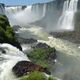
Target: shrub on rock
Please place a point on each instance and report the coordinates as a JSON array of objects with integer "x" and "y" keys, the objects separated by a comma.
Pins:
[{"x": 7, "y": 34}]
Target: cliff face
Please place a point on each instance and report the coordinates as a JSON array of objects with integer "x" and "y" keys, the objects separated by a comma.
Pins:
[
  {"x": 78, "y": 4},
  {"x": 7, "y": 34},
  {"x": 52, "y": 12},
  {"x": 2, "y": 8}
]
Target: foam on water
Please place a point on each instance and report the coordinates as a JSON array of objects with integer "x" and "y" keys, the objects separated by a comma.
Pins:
[
  {"x": 10, "y": 58},
  {"x": 68, "y": 59}
]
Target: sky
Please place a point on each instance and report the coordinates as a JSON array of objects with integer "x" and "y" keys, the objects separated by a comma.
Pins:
[{"x": 22, "y": 2}]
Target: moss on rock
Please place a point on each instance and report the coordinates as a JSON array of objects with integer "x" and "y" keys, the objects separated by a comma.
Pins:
[
  {"x": 43, "y": 54},
  {"x": 7, "y": 34},
  {"x": 36, "y": 76}
]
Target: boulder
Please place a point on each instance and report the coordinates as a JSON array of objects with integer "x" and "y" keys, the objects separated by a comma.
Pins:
[
  {"x": 24, "y": 67},
  {"x": 41, "y": 45},
  {"x": 16, "y": 27},
  {"x": 27, "y": 41},
  {"x": 42, "y": 49}
]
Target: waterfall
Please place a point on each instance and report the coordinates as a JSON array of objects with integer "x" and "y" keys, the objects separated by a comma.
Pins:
[
  {"x": 44, "y": 10},
  {"x": 13, "y": 9},
  {"x": 66, "y": 21},
  {"x": 26, "y": 16},
  {"x": 8, "y": 59}
]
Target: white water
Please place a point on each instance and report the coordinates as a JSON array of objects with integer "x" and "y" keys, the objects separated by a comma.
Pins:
[
  {"x": 67, "y": 67},
  {"x": 32, "y": 32},
  {"x": 68, "y": 59},
  {"x": 66, "y": 21},
  {"x": 68, "y": 63},
  {"x": 8, "y": 60},
  {"x": 23, "y": 17}
]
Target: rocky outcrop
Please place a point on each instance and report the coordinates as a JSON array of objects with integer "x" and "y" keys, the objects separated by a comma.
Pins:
[
  {"x": 41, "y": 45},
  {"x": 16, "y": 27},
  {"x": 51, "y": 51},
  {"x": 72, "y": 36},
  {"x": 27, "y": 41},
  {"x": 43, "y": 54},
  {"x": 2, "y": 8},
  {"x": 7, "y": 34},
  {"x": 24, "y": 67},
  {"x": 78, "y": 4}
]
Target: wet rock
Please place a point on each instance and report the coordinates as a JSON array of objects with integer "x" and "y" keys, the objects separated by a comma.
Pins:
[
  {"x": 72, "y": 36},
  {"x": 41, "y": 45},
  {"x": 27, "y": 41},
  {"x": 24, "y": 67},
  {"x": 43, "y": 51},
  {"x": 7, "y": 34},
  {"x": 2, "y": 50},
  {"x": 16, "y": 27}
]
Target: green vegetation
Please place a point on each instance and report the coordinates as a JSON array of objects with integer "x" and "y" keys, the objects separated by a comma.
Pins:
[
  {"x": 7, "y": 34},
  {"x": 50, "y": 78},
  {"x": 36, "y": 76},
  {"x": 41, "y": 56}
]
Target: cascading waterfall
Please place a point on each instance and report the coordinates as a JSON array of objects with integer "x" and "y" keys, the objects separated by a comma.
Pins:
[
  {"x": 66, "y": 21},
  {"x": 44, "y": 10},
  {"x": 27, "y": 15},
  {"x": 39, "y": 9},
  {"x": 8, "y": 60}
]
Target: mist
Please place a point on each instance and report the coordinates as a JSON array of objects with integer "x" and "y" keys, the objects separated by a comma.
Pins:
[{"x": 23, "y": 17}]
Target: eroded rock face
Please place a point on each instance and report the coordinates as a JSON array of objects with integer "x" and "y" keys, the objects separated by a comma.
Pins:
[
  {"x": 24, "y": 67},
  {"x": 7, "y": 34},
  {"x": 26, "y": 41},
  {"x": 16, "y": 27},
  {"x": 2, "y": 8}
]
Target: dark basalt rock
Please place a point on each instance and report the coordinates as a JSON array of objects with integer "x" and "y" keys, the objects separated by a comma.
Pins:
[
  {"x": 27, "y": 41},
  {"x": 24, "y": 67},
  {"x": 16, "y": 27},
  {"x": 50, "y": 52},
  {"x": 23, "y": 7},
  {"x": 2, "y": 50},
  {"x": 41, "y": 45},
  {"x": 72, "y": 36}
]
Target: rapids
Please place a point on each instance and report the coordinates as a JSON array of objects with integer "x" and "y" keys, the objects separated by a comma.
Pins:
[{"x": 8, "y": 60}]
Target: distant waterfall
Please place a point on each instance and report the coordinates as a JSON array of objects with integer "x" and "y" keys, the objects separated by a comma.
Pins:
[
  {"x": 44, "y": 10},
  {"x": 66, "y": 21},
  {"x": 23, "y": 17},
  {"x": 39, "y": 9}
]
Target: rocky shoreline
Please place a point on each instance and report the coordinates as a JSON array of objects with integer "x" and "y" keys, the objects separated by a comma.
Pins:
[{"x": 72, "y": 36}]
